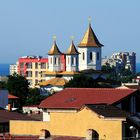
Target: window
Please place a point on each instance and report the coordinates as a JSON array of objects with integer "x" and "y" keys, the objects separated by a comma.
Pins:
[
  {"x": 98, "y": 56},
  {"x": 29, "y": 73},
  {"x": 83, "y": 56},
  {"x": 36, "y": 73},
  {"x": 22, "y": 73},
  {"x": 36, "y": 65},
  {"x": 72, "y": 61},
  {"x": 90, "y": 55},
  {"x": 29, "y": 65},
  {"x": 21, "y": 65},
  {"x": 55, "y": 60},
  {"x": 51, "y": 60},
  {"x": 43, "y": 65},
  {"x": 68, "y": 60}
]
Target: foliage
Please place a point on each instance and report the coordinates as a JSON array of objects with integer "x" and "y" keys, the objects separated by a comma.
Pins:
[
  {"x": 3, "y": 85},
  {"x": 18, "y": 86},
  {"x": 82, "y": 81},
  {"x": 34, "y": 97}
]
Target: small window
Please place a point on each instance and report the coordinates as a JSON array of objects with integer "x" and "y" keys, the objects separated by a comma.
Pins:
[
  {"x": 36, "y": 65},
  {"x": 51, "y": 60},
  {"x": 90, "y": 55},
  {"x": 55, "y": 60},
  {"x": 83, "y": 56},
  {"x": 43, "y": 65},
  {"x": 72, "y": 61},
  {"x": 98, "y": 56},
  {"x": 68, "y": 60},
  {"x": 36, "y": 73}
]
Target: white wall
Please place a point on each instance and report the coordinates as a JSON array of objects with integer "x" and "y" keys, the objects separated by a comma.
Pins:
[{"x": 87, "y": 63}]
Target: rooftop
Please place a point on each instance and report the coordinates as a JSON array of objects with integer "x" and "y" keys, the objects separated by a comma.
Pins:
[
  {"x": 57, "y": 81},
  {"x": 90, "y": 39},
  {"x": 108, "y": 111},
  {"x": 75, "y": 98},
  {"x": 6, "y": 116}
]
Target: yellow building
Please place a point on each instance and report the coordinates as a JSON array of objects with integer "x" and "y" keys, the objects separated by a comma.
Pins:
[{"x": 87, "y": 113}]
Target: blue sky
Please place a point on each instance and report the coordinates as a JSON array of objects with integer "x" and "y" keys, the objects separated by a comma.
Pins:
[{"x": 27, "y": 26}]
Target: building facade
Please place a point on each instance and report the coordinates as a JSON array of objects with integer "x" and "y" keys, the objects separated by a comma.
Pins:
[
  {"x": 33, "y": 68},
  {"x": 121, "y": 60}
]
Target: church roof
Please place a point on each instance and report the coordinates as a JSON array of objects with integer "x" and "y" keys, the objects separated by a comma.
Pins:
[
  {"x": 72, "y": 49},
  {"x": 54, "y": 50},
  {"x": 90, "y": 39},
  {"x": 57, "y": 81}
]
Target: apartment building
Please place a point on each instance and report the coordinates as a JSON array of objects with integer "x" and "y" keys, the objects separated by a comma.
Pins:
[
  {"x": 13, "y": 68},
  {"x": 120, "y": 60},
  {"x": 33, "y": 68}
]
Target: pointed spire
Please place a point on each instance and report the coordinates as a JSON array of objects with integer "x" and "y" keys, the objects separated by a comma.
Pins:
[
  {"x": 90, "y": 39},
  {"x": 72, "y": 49},
  {"x": 54, "y": 50}
]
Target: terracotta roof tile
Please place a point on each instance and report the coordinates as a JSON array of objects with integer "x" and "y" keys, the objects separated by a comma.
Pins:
[
  {"x": 10, "y": 96},
  {"x": 77, "y": 97}
]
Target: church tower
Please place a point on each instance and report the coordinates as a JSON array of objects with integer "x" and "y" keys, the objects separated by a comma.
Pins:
[
  {"x": 90, "y": 51},
  {"x": 54, "y": 57},
  {"x": 72, "y": 58}
]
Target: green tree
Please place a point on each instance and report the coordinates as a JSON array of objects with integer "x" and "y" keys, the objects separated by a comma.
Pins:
[
  {"x": 3, "y": 85},
  {"x": 82, "y": 81},
  {"x": 18, "y": 86},
  {"x": 34, "y": 97}
]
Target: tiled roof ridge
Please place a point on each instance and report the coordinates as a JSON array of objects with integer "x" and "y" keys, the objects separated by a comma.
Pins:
[{"x": 100, "y": 89}]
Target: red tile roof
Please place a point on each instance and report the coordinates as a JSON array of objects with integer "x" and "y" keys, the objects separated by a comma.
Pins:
[
  {"x": 75, "y": 98},
  {"x": 10, "y": 96}
]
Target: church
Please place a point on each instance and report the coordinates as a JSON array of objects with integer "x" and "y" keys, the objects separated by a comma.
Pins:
[{"x": 88, "y": 56}]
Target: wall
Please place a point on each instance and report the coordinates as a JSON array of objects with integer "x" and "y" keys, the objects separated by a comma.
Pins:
[
  {"x": 3, "y": 98},
  {"x": 71, "y": 124}
]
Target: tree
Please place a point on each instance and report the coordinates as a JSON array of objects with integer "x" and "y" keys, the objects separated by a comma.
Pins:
[
  {"x": 34, "y": 97},
  {"x": 18, "y": 86},
  {"x": 3, "y": 85},
  {"x": 82, "y": 81}
]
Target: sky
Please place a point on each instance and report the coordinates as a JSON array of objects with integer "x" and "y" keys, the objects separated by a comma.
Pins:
[{"x": 27, "y": 27}]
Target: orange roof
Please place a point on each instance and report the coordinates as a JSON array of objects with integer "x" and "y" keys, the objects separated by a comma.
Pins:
[
  {"x": 54, "y": 50},
  {"x": 10, "y": 96},
  {"x": 69, "y": 73},
  {"x": 72, "y": 49},
  {"x": 52, "y": 72},
  {"x": 55, "y": 82},
  {"x": 90, "y": 39}
]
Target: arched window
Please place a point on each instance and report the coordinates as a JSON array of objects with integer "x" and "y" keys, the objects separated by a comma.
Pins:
[
  {"x": 83, "y": 56},
  {"x": 55, "y": 60},
  {"x": 92, "y": 134},
  {"x": 90, "y": 55}
]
